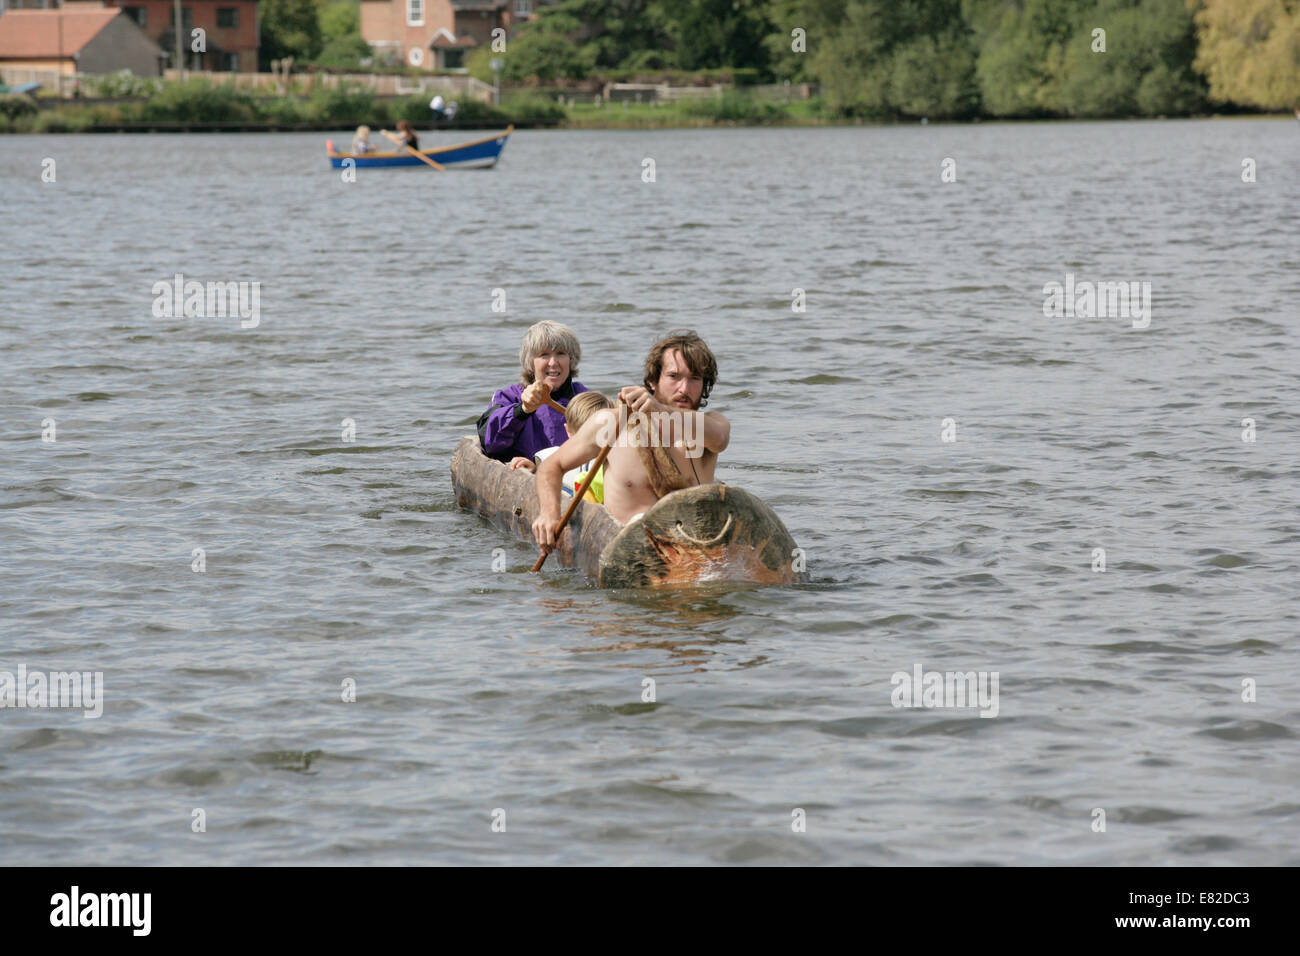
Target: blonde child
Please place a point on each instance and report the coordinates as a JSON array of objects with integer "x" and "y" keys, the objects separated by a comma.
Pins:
[{"x": 580, "y": 408}]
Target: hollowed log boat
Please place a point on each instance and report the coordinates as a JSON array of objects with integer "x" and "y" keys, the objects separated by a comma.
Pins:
[
  {"x": 705, "y": 533},
  {"x": 479, "y": 153}
]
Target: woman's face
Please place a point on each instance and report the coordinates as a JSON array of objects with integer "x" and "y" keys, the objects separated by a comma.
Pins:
[{"x": 552, "y": 367}]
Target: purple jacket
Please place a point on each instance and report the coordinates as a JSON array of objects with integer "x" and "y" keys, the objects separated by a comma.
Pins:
[{"x": 505, "y": 431}]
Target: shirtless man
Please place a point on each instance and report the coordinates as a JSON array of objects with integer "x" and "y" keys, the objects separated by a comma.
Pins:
[{"x": 679, "y": 373}]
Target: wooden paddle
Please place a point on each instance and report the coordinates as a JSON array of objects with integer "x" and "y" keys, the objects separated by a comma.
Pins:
[
  {"x": 546, "y": 389},
  {"x": 414, "y": 152},
  {"x": 579, "y": 492}
]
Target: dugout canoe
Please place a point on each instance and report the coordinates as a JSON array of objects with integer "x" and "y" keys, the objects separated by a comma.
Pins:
[
  {"x": 480, "y": 153},
  {"x": 706, "y": 533}
]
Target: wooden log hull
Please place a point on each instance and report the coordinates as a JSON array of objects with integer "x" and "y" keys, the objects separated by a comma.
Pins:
[{"x": 707, "y": 533}]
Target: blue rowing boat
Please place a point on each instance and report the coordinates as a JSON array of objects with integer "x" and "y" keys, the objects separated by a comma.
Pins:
[{"x": 480, "y": 154}]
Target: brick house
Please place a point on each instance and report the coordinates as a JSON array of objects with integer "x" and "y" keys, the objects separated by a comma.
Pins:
[
  {"x": 231, "y": 27},
  {"x": 76, "y": 41},
  {"x": 437, "y": 34}
]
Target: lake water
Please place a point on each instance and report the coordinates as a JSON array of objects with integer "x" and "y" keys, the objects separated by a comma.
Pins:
[{"x": 325, "y": 561}]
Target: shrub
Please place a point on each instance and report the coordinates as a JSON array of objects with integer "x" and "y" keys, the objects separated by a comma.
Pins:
[
  {"x": 534, "y": 110},
  {"x": 346, "y": 106},
  {"x": 474, "y": 113},
  {"x": 121, "y": 83},
  {"x": 72, "y": 119},
  {"x": 344, "y": 52},
  {"x": 106, "y": 115},
  {"x": 413, "y": 109},
  {"x": 285, "y": 110},
  {"x": 197, "y": 101},
  {"x": 16, "y": 104},
  {"x": 732, "y": 107}
]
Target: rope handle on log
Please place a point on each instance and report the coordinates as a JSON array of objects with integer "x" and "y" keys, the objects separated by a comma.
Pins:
[{"x": 579, "y": 492}]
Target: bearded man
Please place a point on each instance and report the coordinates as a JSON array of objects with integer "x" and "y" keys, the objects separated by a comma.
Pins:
[{"x": 664, "y": 441}]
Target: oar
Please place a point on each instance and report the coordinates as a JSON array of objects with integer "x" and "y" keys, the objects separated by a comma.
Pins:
[
  {"x": 578, "y": 493},
  {"x": 546, "y": 390},
  {"x": 414, "y": 152}
]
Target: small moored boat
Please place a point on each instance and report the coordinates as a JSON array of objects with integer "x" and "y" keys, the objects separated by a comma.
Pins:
[
  {"x": 481, "y": 153},
  {"x": 705, "y": 533}
]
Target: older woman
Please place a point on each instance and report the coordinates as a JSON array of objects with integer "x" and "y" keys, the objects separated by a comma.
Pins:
[{"x": 517, "y": 425}]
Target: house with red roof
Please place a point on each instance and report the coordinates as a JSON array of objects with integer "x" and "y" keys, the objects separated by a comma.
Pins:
[
  {"x": 230, "y": 28},
  {"x": 437, "y": 34},
  {"x": 76, "y": 40}
]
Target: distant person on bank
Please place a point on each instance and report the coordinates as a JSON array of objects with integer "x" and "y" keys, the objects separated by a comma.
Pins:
[{"x": 518, "y": 425}]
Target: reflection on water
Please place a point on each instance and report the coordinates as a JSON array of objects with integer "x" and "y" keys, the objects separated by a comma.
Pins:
[{"x": 683, "y": 623}]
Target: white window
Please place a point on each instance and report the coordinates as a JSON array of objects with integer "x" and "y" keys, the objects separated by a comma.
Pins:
[
  {"x": 523, "y": 7},
  {"x": 415, "y": 13}
]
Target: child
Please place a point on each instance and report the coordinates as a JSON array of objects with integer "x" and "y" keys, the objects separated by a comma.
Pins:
[
  {"x": 361, "y": 142},
  {"x": 579, "y": 410}
]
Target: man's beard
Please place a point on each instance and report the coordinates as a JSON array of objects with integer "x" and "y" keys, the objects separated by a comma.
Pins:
[{"x": 692, "y": 407}]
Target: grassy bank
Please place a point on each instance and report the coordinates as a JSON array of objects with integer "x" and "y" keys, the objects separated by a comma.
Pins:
[{"x": 197, "y": 105}]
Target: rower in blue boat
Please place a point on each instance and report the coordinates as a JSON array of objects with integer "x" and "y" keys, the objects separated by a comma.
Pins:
[
  {"x": 361, "y": 142},
  {"x": 407, "y": 135}
]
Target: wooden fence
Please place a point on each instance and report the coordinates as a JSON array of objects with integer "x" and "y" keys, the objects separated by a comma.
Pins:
[{"x": 450, "y": 85}]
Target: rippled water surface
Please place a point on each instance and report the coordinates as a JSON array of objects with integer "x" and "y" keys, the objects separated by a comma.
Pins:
[{"x": 477, "y": 691}]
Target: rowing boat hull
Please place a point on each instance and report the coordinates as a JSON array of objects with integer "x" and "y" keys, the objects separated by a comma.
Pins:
[
  {"x": 478, "y": 154},
  {"x": 701, "y": 534}
]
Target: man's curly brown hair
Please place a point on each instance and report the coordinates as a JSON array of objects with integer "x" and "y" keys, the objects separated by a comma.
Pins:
[{"x": 699, "y": 359}]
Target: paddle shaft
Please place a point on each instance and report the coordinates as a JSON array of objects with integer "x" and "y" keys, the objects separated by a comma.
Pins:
[
  {"x": 578, "y": 493},
  {"x": 414, "y": 152}
]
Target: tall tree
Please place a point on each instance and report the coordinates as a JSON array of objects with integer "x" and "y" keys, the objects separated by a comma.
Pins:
[
  {"x": 289, "y": 28},
  {"x": 884, "y": 58},
  {"x": 1146, "y": 68},
  {"x": 1021, "y": 61},
  {"x": 710, "y": 34},
  {"x": 1250, "y": 51}
]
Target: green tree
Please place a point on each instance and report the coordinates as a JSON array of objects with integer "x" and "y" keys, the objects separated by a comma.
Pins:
[
  {"x": 1146, "y": 68},
  {"x": 546, "y": 55},
  {"x": 1250, "y": 51},
  {"x": 345, "y": 51},
  {"x": 935, "y": 76},
  {"x": 288, "y": 28},
  {"x": 711, "y": 34},
  {"x": 784, "y": 61},
  {"x": 1021, "y": 61},
  {"x": 575, "y": 37},
  {"x": 339, "y": 19},
  {"x": 882, "y": 58},
  {"x": 340, "y": 30}
]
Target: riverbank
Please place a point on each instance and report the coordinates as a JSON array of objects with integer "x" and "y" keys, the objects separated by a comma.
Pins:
[{"x": 199, "y": 107}]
